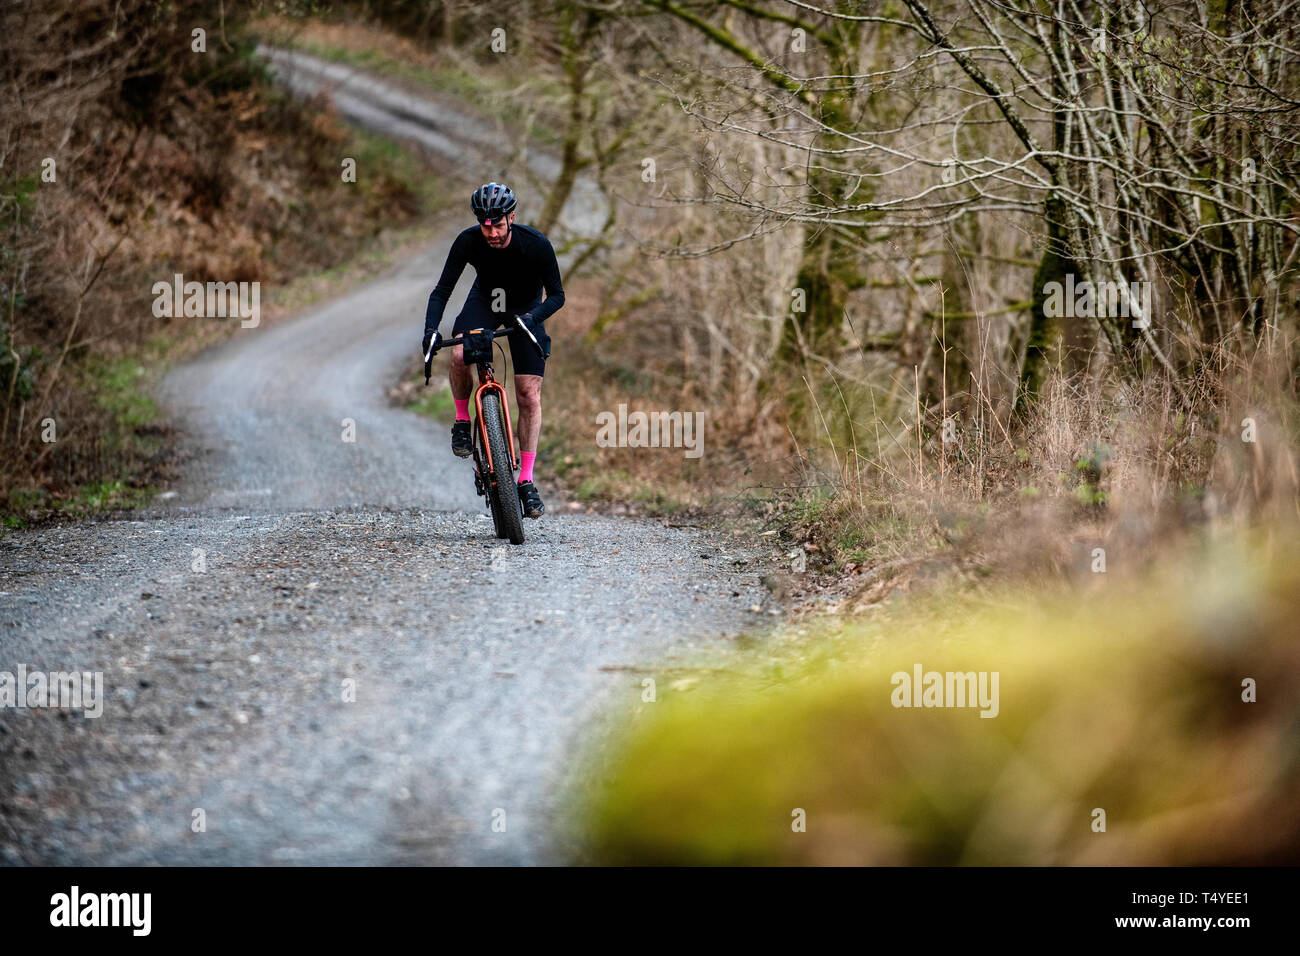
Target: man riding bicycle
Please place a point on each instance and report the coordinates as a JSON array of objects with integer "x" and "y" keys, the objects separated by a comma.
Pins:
[{"x": 512, "y": 265}]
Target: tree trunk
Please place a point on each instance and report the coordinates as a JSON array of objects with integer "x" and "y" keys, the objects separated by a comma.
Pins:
[
  {"x": 577, "y": 63},
  {"x": 1045, "y": 331},
  {"x": 1042, "y": 348}
]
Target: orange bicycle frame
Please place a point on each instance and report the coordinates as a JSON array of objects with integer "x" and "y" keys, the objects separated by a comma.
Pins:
[{"x": 486, "y": 382}]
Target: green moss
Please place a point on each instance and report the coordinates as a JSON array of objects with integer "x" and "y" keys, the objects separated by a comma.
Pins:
[{"x": 1132, "y": 704}]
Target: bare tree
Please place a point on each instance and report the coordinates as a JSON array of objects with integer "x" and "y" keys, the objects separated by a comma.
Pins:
[{"x": 1149, "y": 148}]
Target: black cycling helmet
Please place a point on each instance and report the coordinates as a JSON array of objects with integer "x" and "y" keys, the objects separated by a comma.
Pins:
[{"x": 492, "y": 201}]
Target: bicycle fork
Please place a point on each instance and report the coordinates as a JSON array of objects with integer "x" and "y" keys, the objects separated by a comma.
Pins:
[{"x": 483, "y": 443}]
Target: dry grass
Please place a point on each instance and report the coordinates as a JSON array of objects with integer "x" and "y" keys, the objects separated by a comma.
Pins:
[{"x": 1125, "y": 466}]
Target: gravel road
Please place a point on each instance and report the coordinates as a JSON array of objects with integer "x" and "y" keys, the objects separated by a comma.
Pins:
[{"x": 319, "y": 644}]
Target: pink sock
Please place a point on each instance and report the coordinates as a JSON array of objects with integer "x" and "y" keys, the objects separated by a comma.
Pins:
[
  {"x": 526, "y": 471},
  {"x": 462, "y": 409}
]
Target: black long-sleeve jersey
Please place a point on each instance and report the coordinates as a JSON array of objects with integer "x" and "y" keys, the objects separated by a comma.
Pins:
[{"x": 523, "y": 269}]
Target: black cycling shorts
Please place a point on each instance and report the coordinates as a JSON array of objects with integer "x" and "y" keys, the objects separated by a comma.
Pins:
[{"x": 477, "y": 314}]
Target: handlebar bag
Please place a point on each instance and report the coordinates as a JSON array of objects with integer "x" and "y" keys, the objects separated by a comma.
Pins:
[{"x": 478, "y": 347}]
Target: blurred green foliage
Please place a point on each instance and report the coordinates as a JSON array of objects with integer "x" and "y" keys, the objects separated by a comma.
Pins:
[{"x": 1128, "y": 698}]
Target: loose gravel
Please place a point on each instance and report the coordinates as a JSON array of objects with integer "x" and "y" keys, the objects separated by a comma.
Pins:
[{"x": 313, "y": 650}]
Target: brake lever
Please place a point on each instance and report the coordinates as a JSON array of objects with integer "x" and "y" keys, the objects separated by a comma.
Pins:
[
  {"x": 428, "y": 357},
  {"x": 528, "y": 332}
]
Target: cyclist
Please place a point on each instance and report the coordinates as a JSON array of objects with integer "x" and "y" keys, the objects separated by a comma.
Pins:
[{"x": 512, "y": 265}]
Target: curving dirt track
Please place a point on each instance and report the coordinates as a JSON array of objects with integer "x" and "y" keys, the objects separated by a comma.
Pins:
[{"x": 293, "y": 571}]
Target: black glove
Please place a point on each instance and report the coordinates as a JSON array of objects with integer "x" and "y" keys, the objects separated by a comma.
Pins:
[
  {"x": 530, "y": 323},
  {"x": 424, "y": 342}
]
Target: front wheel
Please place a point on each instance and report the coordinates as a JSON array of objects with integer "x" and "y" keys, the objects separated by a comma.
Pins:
[{"x": 503, "y": 492}]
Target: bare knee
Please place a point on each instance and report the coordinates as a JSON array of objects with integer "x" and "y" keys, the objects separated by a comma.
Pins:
[{"x": 528, "y": 395}]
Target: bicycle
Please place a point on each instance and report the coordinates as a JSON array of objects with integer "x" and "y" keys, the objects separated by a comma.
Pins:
[{"x": 495, "y": 459}]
